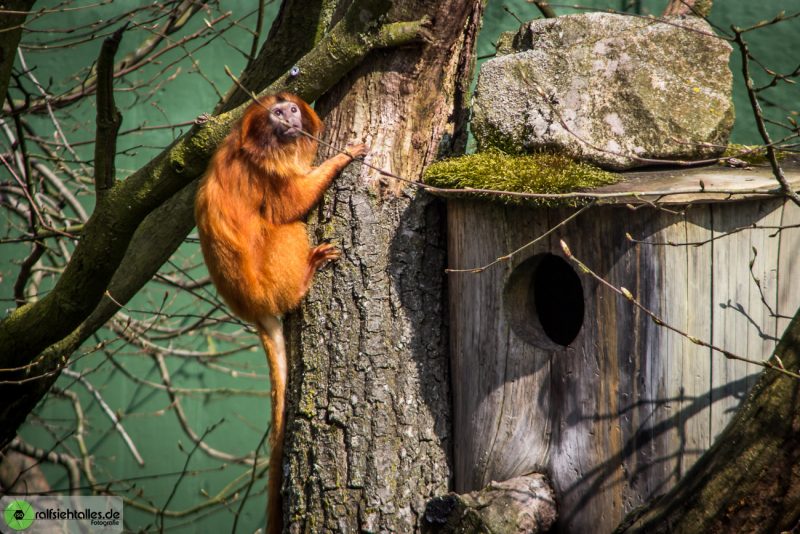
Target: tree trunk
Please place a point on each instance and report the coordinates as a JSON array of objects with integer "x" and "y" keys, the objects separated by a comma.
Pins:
[
  {"x": 369, "y": 434},
  {"x": 749, "y": 480}
]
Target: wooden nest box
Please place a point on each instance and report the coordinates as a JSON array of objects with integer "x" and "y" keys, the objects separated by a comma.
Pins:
[{"x": 554, "y": 372}]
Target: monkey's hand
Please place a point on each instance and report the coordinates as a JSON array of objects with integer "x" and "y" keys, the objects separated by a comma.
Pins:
[{"x": 356, "y": 151}]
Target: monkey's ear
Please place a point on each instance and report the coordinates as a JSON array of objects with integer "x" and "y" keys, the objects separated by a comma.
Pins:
[{"x": 245, "y": 126}]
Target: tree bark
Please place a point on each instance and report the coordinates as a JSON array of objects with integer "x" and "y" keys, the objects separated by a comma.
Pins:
[
  {"x": 749, "y": 480},
  {"x": 369, "y": 434}
]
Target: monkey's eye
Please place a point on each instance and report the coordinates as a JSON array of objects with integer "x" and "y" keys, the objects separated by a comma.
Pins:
[
  {"x": 294, "y": 109},
  {"x": 278, "y": 112}
]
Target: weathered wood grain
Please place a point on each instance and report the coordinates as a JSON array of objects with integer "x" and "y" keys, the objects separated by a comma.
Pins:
[
  {"x": 710, "y": 183},
  {"x": 695, "y": 317},
  {"x": 504, "y": 373},
  {"x": 730, "y": 292},
  {"x": 763, "y": 285},
  {"x": 619, "y": 415},
  {"x": 788, "y": 275}
]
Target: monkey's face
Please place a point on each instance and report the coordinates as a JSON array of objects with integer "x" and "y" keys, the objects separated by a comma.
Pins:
[{"x": 286, "y": 119}]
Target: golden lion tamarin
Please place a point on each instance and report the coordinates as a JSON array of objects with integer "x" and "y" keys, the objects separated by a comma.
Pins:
[{"x": 249, "y": 210}]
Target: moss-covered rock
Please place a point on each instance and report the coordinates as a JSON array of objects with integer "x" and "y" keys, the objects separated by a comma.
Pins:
[
  {"x": 608, "y": 89},
  {"x": 533, "y": 173}
]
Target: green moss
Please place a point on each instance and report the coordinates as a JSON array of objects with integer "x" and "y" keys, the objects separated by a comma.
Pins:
[
  {"x": 752, "y": 154},
  {"x": 306, "y": 404},
  {"x": 532, "y": 173}
]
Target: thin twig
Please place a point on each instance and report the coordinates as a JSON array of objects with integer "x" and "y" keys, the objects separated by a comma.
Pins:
[
  {"x": 108, "y": 411},
  {"x": 47, "y": 103},
  {"x": 69, "y": 463},
  {"x": 523, "y": 247},
  {"x": 184, "y": 422},
  {"x": 256, "y": 33},
  {"x": 757, "y": 282},
  {"x": 253, "y": 471},
  {"x": 778, "y": 229},
  {"x": 777, "y": 170},
  {"x": 80, "y": 432},
  {"x": 185, "y": 469}
]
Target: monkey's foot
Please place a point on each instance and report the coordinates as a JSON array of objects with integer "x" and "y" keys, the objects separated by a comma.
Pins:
[
  {"x": 323, "y": 254},
  {"x": 318, "y": 257}
]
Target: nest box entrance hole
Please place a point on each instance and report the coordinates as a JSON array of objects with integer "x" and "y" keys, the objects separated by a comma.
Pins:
[{"x": 543, "y": 301}]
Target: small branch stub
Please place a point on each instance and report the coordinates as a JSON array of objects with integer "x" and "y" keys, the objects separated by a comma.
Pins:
[
  {"x": 544, "y": 7},
  {"x": 699, "y": 8},
  {"x": 108, "y": 116}
]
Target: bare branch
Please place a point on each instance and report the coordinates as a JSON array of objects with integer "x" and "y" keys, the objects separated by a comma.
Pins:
[
  {"x": 510, "y": 255},
  {"x": 257, "y": 33},
  {"x": 25, "y": 272},
  {"x": 143, "y": 54},
  {"x": 198, "y": 441},
  {"x": 109, "y": 412}
]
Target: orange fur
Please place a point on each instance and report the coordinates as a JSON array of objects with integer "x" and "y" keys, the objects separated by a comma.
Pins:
[{"x": 249, "y": 211}]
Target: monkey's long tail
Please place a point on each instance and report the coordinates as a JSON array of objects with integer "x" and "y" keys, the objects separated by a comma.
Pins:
[{"x": 270, "y": 330}]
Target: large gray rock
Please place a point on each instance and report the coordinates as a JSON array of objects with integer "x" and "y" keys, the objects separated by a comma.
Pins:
[{"x": 610, "y": 89}]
